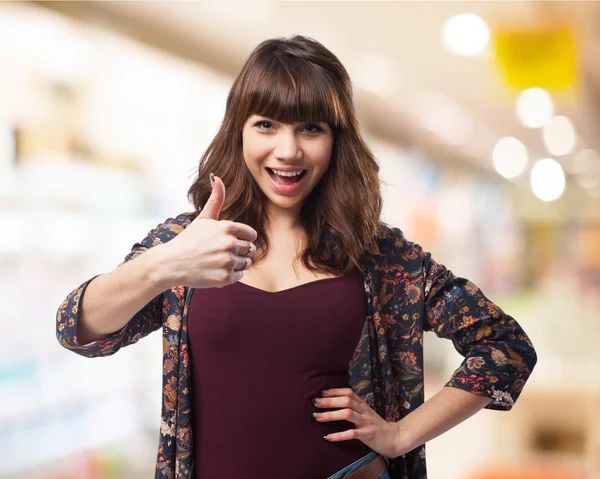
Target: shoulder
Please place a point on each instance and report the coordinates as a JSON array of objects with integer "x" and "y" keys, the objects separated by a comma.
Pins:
[{"x": 392, "y": 242}]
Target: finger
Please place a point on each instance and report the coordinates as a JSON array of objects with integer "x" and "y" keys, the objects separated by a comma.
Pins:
[
  {"x": 340, "y": 415},
  {"x": 244, "y": 232},
  {"x": 241, "y": 248},
  {"x": 241, "y": 263},
  {"x": 245, "y": 249},
  {"x": 213, "y": 205},
  {"x": 338, "y": 402},
  {"x": 343, "y": 436},
  {"x": 237, "y": 275},
  {"x": 338, "y": 392},
  {"x": 346, "y": 392}
]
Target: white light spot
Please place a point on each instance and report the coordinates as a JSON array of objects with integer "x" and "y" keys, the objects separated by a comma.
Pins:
[
  {"x": 535, "y": 107},
  {"x": 559, "y": 135},
  {"x": 547, "y": 179},
  {"x": 509, "y": 157},
  {"x": 465, "y": 34}
]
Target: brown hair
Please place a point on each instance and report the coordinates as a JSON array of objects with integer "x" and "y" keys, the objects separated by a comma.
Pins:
[{"x": 290, "y": 80}]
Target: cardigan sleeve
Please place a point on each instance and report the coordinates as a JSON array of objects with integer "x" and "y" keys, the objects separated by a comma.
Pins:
[
  {"x": 498, "y": 355},
  {"x": 145, "y": 321}
]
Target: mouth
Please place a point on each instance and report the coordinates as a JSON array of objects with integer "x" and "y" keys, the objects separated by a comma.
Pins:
[{"x": 286, "y": 184}]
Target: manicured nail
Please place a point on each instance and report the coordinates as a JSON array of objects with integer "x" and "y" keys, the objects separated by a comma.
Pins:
[
  {"x": 324, "y": 392},
  {"x": 212, "y": 180},
  {"x": 314, "y": 401},
  {"x": 316, "y": 414}
]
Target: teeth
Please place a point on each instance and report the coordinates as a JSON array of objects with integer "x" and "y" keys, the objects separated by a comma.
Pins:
[{"x": 286, "y": 173}]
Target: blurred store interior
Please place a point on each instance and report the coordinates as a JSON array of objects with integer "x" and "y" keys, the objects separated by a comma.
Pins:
[{"x": 484, "y": 117}]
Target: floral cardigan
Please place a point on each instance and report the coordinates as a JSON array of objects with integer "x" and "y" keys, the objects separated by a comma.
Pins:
[{"x": 407, "y": 293}]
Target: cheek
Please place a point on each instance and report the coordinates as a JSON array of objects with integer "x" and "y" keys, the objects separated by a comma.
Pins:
[
  {"x": 321, "y": 153},
  {"x": 322, "y": 159},
  {"x": 254, "y": 152},
  {"x": 249, "y": 155}
]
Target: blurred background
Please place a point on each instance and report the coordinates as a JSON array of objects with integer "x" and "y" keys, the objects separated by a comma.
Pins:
[{"x": 484, "y": 117}]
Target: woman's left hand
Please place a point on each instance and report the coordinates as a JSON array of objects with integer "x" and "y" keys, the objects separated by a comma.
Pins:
[{"x": 383, "y": 437}]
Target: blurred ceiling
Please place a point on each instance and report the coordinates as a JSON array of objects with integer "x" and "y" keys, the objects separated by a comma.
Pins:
[{"x": 408, "y": 34}]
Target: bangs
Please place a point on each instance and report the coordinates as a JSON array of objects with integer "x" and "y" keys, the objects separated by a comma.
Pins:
[{"x": 290, "y": 89}]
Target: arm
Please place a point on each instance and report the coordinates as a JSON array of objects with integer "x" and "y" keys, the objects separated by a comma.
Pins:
[
  {"x": 440, "y": 413},
  {"x": 116, "y": 309},
  {"x": 131, "y": 287},
  {"x": 498, "y": 356}
]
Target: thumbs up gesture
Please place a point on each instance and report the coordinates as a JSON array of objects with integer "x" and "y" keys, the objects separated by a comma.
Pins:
[{"x": 210, "y": 252}]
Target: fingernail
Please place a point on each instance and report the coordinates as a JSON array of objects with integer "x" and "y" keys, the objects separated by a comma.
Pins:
[
  {"x": 212, "y": 180},
  {"x": 314, "y": 401},
  {"x": 324, "y": 392}
]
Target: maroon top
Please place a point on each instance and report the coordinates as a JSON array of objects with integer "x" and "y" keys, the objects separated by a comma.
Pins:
[{"x": 258, "y": 358}]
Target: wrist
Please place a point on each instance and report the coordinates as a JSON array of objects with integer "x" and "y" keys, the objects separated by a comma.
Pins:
[
  {"x": 404, "y": 439},
  {"x": 161, "y": 273}
]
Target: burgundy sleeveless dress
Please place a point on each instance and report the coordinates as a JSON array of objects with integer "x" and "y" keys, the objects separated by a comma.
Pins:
[{"x": 258, "y": 358}]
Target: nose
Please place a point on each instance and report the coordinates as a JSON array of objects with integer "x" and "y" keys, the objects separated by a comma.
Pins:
[{"x": 287, "y": 146}]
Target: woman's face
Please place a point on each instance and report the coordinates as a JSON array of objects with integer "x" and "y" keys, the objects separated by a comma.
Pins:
[{"x": 273, "y": 151}]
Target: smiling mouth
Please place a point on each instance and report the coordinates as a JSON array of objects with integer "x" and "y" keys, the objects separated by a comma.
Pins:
[{"x": 286, "y": 180}]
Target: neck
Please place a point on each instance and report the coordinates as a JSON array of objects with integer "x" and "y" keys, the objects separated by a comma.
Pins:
[{"x": 281, "y": 220}]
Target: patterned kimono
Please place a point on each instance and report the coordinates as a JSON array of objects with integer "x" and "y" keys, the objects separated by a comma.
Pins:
[{"x": 407, "y": 293}]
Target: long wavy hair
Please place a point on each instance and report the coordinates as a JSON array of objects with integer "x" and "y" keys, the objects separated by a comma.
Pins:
[{"x": 297, "y": 79}]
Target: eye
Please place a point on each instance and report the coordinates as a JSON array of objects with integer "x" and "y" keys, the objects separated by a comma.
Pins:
[
  {"x": 267, "y": 125},
  {"x": 263, "y": 122},
  {"x": 316, "y": 127}
]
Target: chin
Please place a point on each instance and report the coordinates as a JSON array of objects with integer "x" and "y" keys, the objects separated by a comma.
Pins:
[{"x": 285, "y": 202}]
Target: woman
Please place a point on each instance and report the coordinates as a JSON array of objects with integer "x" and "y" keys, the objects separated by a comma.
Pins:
[{"x": 332, "y": 299}]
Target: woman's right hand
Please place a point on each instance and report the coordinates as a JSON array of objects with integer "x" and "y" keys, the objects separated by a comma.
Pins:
[{"x": 209, "y": 253}]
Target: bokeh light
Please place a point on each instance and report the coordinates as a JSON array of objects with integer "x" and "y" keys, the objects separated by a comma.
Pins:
[
  {"x": 586, "y": 166},
  {"x": 509, "y": 157},
  {"x": 547, "y": 179},
  {"x": 535, "y": 107},
  {"x": 559, "y": 135},
  {"x": 465, "y": 34}
]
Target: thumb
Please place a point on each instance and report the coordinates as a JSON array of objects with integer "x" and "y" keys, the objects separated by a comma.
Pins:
[{"x": 213, "y": 205}]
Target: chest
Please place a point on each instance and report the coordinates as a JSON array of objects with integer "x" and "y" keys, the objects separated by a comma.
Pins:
[{"x": 280, "y": 270}]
